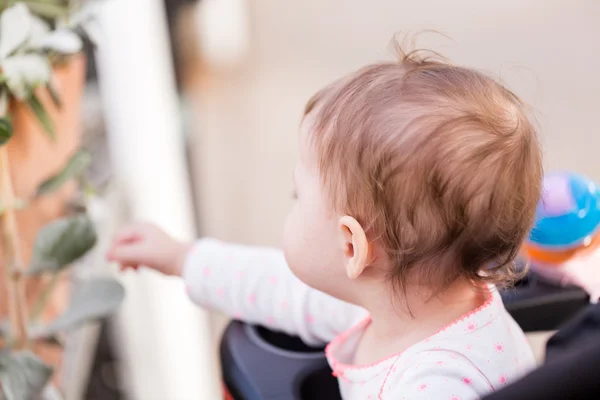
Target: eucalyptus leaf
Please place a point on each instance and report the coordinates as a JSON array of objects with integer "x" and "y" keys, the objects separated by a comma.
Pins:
[
  {"x": 23, "y": 376},
  {"x": 4, "y": 328},
  {"x": 92, "y": 32},
  {"x": 76, "y": 165},
  {"x": 41, "y": 115},
  {"x": 92, "y": 300},
  {"x": 48, "y": 10},
  {"x": 61, "y": 242},
  {"x": 24, "y": 72},
  {"x": 51, "y": 392},
  {"x": 6, "y": 130},
  {"x": 54, "y": 94},
  {"x": 63, "y": 41},
  {"x": 39, "y": 28},
  {"x": 3, "y": 96},
  {"x": 85, "y": 21},
  {"x": 54, "y": 340},
  {"x": 15, "y": 23},
  {"x": 33, "y": 330}
]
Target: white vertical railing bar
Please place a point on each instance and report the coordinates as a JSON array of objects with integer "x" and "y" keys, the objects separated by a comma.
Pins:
[{"x": 164, "y": 341}]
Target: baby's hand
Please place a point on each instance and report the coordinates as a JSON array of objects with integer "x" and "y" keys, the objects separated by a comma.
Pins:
[{"x": 147, "y": 245}]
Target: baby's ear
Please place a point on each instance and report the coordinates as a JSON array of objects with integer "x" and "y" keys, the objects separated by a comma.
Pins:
[{"x": 354, "y": 246}]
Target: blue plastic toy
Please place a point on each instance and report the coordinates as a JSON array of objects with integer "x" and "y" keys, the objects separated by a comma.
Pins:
[{"x": 568, "y": 215}]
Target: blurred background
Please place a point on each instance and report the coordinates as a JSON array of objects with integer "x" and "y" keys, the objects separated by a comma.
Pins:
[{"x": 192, "y": 108}]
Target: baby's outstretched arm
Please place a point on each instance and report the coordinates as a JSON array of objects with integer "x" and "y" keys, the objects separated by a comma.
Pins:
[{"x": 253, "y": 284}]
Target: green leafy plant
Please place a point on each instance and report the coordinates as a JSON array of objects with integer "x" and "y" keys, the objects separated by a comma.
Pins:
[
  {"x": 31, "y": 43},
  {"x": 34, "y": 36}
]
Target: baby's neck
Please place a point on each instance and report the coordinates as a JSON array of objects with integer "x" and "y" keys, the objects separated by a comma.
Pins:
[{"x": 393, "y": 329}]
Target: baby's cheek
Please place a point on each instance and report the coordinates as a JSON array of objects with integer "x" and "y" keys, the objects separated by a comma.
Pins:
[
  {"x": 290, "y": 240},
  {"x": 296, "y": 249}
]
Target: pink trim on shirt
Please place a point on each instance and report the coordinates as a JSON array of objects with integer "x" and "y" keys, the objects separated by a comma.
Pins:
[
  {"x": 488, "y": 302},
  {"x": 339, "y": 368}
]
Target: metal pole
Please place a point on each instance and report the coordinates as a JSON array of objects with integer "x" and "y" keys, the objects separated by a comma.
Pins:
[{"x": 164, "y": 340}]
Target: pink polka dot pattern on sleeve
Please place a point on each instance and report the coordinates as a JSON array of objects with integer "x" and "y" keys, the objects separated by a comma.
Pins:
[{"x": 422, "y": 387}]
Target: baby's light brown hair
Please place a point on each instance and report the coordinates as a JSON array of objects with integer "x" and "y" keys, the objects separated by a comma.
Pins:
[{"x": 439, "y": 163}]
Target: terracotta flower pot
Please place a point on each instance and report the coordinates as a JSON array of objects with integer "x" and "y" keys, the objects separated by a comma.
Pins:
[{"x": 33, "y": 158}]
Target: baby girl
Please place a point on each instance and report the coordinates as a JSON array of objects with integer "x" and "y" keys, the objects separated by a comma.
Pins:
[{"x": 416, "y": 184}]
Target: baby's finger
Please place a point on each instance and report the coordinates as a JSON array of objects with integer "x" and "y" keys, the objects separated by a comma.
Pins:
[
  {"x": 126, "y": 266},
  {"x": 128, "y": 235},
  {"x": 125, "y": 254}
]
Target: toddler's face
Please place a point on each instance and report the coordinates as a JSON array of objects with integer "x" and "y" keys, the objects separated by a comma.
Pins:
[{"x": 312, "y": 236}]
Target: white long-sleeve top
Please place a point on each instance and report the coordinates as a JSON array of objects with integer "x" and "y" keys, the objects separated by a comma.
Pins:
[{"x": 479, "y": 353}]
